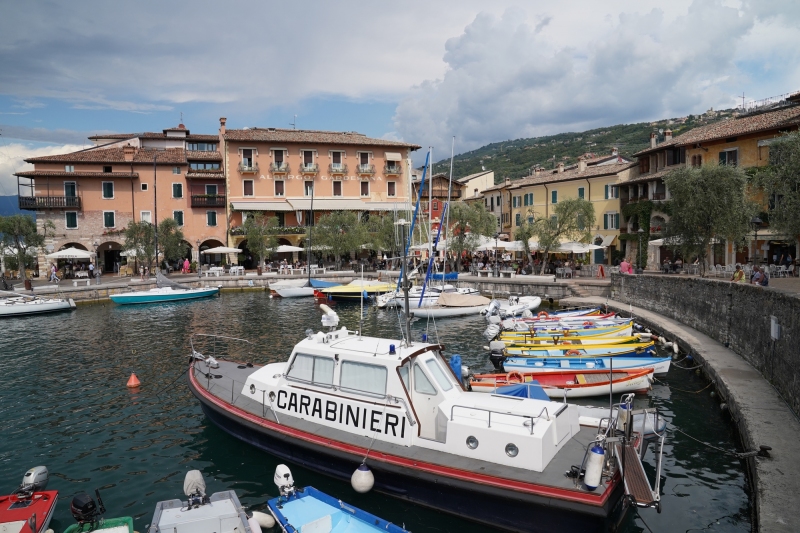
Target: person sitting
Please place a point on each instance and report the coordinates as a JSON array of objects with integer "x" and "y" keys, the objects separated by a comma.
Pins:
[
  {"x": 738, "y": 274},
  {"x": 625, "y": 267},
  {"x": 678, "y": 266},
  {"x": 757, "y": 277}
]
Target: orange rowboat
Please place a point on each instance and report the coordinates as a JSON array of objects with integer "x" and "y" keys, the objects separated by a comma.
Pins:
[{"x": 575, "y": 384}]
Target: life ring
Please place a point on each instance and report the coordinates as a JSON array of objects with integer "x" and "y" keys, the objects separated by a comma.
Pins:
[
  {"x": 572, "y": 352},
  {"x": 543, "y": 314},
  {"x": 587, "y": 323},
  {"x": 514, "y": 377}
]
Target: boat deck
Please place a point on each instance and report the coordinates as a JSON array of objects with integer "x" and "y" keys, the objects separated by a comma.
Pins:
[{"x": 229, "y": 379}]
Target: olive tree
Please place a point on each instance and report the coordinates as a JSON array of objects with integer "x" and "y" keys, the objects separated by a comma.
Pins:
[
  {"x": 468, "y": 223},
  {"x": 261, "y": 234},
  {"x": 19, "y": 233},
  {"x": 340, "y": 233},
  {"x": 780, "y": 183},
  {"x": 140, "y": 242},
  {"x": 525, "y": 233},
  {"x": 707, "y": 203},
  {"x": 570, "y": 220},
  {"x": 171, "y": 240}
]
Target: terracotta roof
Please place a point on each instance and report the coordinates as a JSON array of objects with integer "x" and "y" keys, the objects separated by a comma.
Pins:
[
  {"x": 572, "y": 174},
  {"x": 62, "y": 174},
  {"x": 206, "y": 156},
  {"x": 311, "y": 137},
  {"x": 205, "y": 174},
  {"x": 654, "y": 175},
  {"x": 473, "y": 176},
  {"x": 781, "y": 118},
  {"x": 170, "y": 156},
  {"x": 156, "y": 135},
  {"x": 497, "y": 187}
]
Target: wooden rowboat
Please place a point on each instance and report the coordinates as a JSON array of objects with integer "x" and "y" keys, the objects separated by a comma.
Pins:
[{"x": 575, "y": 384}]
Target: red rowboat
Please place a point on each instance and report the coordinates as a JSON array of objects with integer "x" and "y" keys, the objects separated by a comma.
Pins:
[{"x": 575, "y": 384}]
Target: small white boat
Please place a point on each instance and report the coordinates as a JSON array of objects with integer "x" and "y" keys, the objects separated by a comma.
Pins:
[
  {"x": 430, "y": 297},
  {"x": 298, "y": 288},
  {"x": 451, "y": 305},
  {"x": 515, "y": 306},
  {"x": 21, "y": 305},
  {"x": 569, "y": 384}
]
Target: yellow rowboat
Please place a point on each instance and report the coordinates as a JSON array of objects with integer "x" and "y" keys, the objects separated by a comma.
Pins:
[
  {"x": 355, "y": 289},
  {"x": 624, "y": 330},
  {"x": 572, "y": 341},
  {"x": 638, "y": 348}
]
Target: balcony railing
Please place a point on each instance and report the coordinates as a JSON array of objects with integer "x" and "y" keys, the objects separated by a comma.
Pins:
[
  {"x": 309, "y": 168},
  {"x": 279, "y": 168},
  {"x": 659, "y": 196},
  {"x": 246, "y": 168},
  {"x": 208, "y": 200},
  {"x": 49, "y": 202},
  {"x": 366, "y": 169},
  {"x": 392, "y": 170},
  {"x": 623, "y": 230},
  {"x": 337, "y": 169}
]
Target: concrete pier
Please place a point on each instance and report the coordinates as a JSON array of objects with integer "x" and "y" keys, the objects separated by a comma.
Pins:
[{"x": 761, "y": 416}]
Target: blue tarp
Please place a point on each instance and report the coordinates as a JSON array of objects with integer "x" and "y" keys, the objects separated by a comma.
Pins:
[
  {"x": 531, "y": 389},
  {"x": 319, "y": 284},
  {"x": 450, "y": 276}
]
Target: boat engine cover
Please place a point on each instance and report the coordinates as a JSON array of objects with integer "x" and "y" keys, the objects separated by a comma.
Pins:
[
  {"x": 491, "y": 331},
  {"x": 193, "y": 483},
  {"x": 283, "y": 478},
  {"x": 83, "y": 507},
  {"x": 36, "y": 476}
]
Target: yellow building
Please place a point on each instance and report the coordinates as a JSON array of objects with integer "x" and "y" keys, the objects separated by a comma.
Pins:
[{"x": 596, "y": 180}]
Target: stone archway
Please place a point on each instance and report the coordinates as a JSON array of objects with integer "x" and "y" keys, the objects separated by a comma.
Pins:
[
  {"x": 207, "y": 259},
  {"x": 108, "y": 256}
]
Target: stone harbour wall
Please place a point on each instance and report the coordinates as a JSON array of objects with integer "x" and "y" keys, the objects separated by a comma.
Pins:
[{"x": 735, "y": 314}]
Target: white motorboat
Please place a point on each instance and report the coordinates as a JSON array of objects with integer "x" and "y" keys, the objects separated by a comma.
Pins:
[
  {"x": 430, "y": 297},
  {"x": 451, "y": 305},
  {"x": 21, "y": 305},
  {"x": 515, "y": 306}
]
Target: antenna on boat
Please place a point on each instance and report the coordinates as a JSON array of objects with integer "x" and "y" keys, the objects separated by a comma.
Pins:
[
  {"x": 404, "y": 275},
  {"x": 361, "y": 317}
]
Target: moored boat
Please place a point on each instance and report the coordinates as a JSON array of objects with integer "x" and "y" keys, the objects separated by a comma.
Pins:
[
  {"x": 166, "y": 291},
  {"x": 452, "y": 305},
  {"x": 355, "y": 290},
  {"x": 570, "y": 384},
  {"x": 571, "y": 350},
  {"x": 30, "y": 507},
  {"x": 21, "y": 305},
  {"x": 297, "y": 288},
  {"x": 660, "y": 365}
]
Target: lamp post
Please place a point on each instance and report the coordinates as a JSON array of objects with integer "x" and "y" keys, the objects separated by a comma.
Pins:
[
  {"x": 96, "y": 262},
  {"x": 639, "y": 260},
  {"x": 198, "y": 257},
  {"x": 496, "y": 235},
  {"x": 756, "y": 222}
]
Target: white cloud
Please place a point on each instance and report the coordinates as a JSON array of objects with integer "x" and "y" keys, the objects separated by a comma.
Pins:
[{"x": 12, "y": 158}]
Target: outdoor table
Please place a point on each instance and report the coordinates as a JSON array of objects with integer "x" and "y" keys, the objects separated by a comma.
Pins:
[
  {"x": 81, "y": 274},
  {"x": 237, "y": 271}
]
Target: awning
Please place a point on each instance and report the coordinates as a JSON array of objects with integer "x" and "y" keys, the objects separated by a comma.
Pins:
[
  {"x": 393, "y": 156},
  {"x": 608, "y": 240},
  {"x": 262, "y": 206},
  {"x": 387, "y": 206},
  {"x": 328, "y": 204}
]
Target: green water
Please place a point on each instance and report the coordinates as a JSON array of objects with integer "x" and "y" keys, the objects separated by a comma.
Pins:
[{"x": 65, "y": 405}]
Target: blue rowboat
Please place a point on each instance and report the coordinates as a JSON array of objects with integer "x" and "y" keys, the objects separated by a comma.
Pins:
[
  {"x": 163, "y": 294},
  {"x": 559, "y": 364},
  {"x": 618, "y": 350}
]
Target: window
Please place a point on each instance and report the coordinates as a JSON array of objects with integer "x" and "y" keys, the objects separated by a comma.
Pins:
[
  {"x": 614, "y": 191},
  {"x": 421, "y": 382},
  {"x": 438, "y": 374},
  {"x": 644, "y": 165},
  {"x": 517, "y": 219},
  {"x": 391, "y": 188},
  {"x": 530, "y": 220},
  {"x": 177, "y": 190},
  {"x": 107, "y": 168},
  {"x": 530, "y": 198},
  {"x": 70, "y": 189},
  {"x": 363, "y": 378},
  {"x": 435, "y": 204},
  {"x": 108, "y": 190},
  {"x": 581, "y": 193},
  {"x": 697, "y": 160},
  {"x": 211, "y": 190},
  {"x": 308, "y": 158},
  {"x": 513, "y": 201},
  {"x": 247, "y": 157},
  {"x": 611, "y": 221},
  {"x": 676, "y": 156},
  {"x": 177, "y": 216},
  {"x": 202, "y": 147},
  {"x": 248, "y": 188},
  {"x": 109, "y": 219},
  {"x": 278, "y": 158},
  {"x": 364, "y": 188},
  {"x": 363, "y": 158},
  {"x": 308, "y": 187},
  {"x": 337, "y": 188},
  {"x": 144, "y": 186},
  {"x": 69, "y": 168},
  {"x": 336, "y": 160},
  {"x": 211, "y": 218},
  {"x": 176, "y": 170},
  {"x": 728, "y": 157},
  {"x": 145, "y": 217},
  {"x": 312, "y": 369},
  {"x": 279, "y": 188},
  {"x": 554, "y": 197},
  {"x": 606, "y": 196},
  {"x": 492, "y": 203},
  {"x": 204, "y": 166},
  {"x": 71, "y": 219}
]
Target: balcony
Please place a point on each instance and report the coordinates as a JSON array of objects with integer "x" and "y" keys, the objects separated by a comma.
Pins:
[
  {"x": 208, "y": 200},
  {"x": 279, "y": 168},
  {"x": 393, "y": 170},
  {"x": 309, "y": 168},
  {"x": 337, "y": 169},
  {"x": 623, "y": 230},
  {"x": 659, "y": 196},
  {"x": 366, "y": 169},
  {"x": 248, "y": 167},
  {"x": 49, "y": 202}
]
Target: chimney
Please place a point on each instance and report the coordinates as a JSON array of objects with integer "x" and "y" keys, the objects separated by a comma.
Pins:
[
  {"x": 508, "y": 181},
  {"x": 653, "y": 139},
  {"x": 128, "y": 151},
  {"x": 561, "y": 167},
  {"x": 668, "y": 135},
  {"x": 581, "y": 165},
  {"x": 222, "y": 121},
  {"x": 615, "y": 151}
]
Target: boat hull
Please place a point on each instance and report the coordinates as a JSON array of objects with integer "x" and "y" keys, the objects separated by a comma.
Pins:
[
  {"x": 660, "y": 365},
  {"x": 496, "y": 505},
  {"x": 43, "y": 505},
  {"x": 156, "y": 296},
  {"x": 294, "y": 292},
  {"x": 35, "y": 307},
  {"x": 446, "y": 312},
  {"x": 563, "y": 387}
]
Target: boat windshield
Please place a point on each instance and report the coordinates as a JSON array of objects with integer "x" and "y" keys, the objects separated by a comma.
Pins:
[
  {"x": 362, "y": 378},
  {"x": 312, "y": 369},
  {"x": 421, "y": 382},
  {"x": 403, "y": 370},
  {"x": 438, "y": 374}
]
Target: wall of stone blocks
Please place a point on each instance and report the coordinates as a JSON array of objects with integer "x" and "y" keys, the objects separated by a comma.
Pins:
[{"x": 735, "y": 314}]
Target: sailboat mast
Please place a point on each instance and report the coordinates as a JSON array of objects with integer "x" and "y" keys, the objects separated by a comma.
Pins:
[
  {"x": 447, "y": 208},
  {"x": 155, "y": 209},
  {"x": 310, "y": 225},
  {"x": 430, "y": 204}
]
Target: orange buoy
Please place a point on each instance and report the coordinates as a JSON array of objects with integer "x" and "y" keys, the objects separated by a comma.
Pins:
[{"x": 133, "y": 381}]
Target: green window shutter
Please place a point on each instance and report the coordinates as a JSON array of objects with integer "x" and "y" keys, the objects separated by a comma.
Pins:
[
  {"x": 108, "y": 219},
  {"x": 722, "y": 159},
  {"x": 513, "y": 201},
  {"x": 606, "y": 192},
  {"x": 517, "y": 219},
  {"x": 72, "y": 219},
  {"x": 616, "y": 221},
  {"x": 581, "y": 193},
  {"x": 554, "y": 197},
  {"x": 605, "y": 221}
]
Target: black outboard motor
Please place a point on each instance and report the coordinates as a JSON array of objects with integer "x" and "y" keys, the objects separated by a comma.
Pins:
[
  {"x": 85, "y": 511},
  {"x": 498, "y": 354}
]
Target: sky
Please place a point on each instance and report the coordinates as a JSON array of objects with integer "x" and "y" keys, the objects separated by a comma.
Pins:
[{"x": 418, "y": 71}]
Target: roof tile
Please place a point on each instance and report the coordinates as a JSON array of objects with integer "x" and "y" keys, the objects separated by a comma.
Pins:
[
  {"x": 174, "y": 156},
  {"x": 311, "y": 137}
]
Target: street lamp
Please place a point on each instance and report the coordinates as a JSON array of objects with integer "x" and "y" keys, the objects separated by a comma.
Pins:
[
  {"x": 756, "y": 222},
  {"x": 496, "y": 274},
  {"x": 639, "y": 261},
  {"x": 198, "y": 257}
]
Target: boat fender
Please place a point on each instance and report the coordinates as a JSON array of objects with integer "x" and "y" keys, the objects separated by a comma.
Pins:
[
  {"x": 667, "y": 345},
  {"x": 265, "y": 520},
  {"x": 675, "y": 347},
  {"x": 527, "y": 313},
  {"x": 255, "y": 527},
  {"x": 622, "y": 415},
  {"x": 594, "y": 467},
  {"x": 362, "y": 479},
  {"x": 455, "y": 366}
]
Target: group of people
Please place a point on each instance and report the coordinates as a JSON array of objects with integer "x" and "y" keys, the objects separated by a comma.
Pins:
[
  {"x": 760, "y": 275},
  {"x": 69, "y": 270}
]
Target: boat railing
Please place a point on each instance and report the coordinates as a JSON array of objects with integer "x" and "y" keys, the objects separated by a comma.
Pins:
[
  {"x": 529, "y": 420},
  {"x": 218, "y": 343}
]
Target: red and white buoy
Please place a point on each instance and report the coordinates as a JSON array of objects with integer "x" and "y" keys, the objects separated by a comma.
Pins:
[{"x": 133, "y": 381}]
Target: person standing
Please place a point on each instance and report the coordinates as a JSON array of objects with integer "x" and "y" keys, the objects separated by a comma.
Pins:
[
  {"x": 91, "y": 270},
  {"x": 53, "y": 276}
]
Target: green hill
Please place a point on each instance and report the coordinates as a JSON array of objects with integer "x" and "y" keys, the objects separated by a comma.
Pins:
[{"x": 515, "y": 158}]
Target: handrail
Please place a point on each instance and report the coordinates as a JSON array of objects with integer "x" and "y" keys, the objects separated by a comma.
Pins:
[{"x": 527, "y": 417}]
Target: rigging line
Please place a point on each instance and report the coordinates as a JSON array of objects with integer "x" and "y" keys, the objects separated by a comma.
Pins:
[
  {"x": 682, "y": 390},
  {"x": 375, "y": 432}
]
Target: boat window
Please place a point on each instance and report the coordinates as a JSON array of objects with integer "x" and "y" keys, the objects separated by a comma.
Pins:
[
  {"x": 421, "y": 382},
  {"x": 363, "y": 379},
  {"x": 312, "y": 369},
  {"x": 403, "y": 370},
  {"x": 438, "y": 374}
]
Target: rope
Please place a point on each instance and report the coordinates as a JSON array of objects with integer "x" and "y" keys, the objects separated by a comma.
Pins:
[
  {"x": 682, "y": 390},
  {"x": 375, "y": 433},
  {"x": 687, "y": 367}
]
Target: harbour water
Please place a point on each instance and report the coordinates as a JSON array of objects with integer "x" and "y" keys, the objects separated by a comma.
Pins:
[{"x": 65, "y": 405}]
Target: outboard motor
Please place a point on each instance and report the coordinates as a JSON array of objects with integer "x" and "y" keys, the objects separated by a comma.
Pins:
[
  {"x": 34, "y": 479},
  {"x": 85, "y": 511},
  {"x": 284, "y": 481},
  {"x": 493, "y": 329},
  {"x": 498, "y": 354},
  {"x": 194, "y": 487},
  {"x": 492, "y": 308}
]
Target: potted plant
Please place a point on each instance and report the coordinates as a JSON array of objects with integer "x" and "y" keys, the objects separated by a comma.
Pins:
[{"x": 193, "y": 266}]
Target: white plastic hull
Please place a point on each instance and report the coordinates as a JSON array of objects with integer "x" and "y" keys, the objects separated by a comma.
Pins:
[
  {"x": 294, "y": 292},
  {"x": 446, "y": 312},
  {"x": 33, "y": 307}
]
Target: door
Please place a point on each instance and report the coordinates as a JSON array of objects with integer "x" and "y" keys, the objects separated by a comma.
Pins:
[{"x": 426, "y": 397}]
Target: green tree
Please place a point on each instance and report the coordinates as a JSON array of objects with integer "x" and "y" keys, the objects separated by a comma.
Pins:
[
  {"x": 260, "y": 232},
  {"x": 140, "y": 242},
  {"x": 341, "y": 232},
  {"x": 525, "y": 233},
  {"x": 384, "y": 236},
  {"x": 780, "y": 183},
  {"x": 468, "y": 223},
  {"x": 707, "y": 203},
  {"x": 570, "y": 220},
  {"x": 19, "y": 233},
  {"x": 171, "y": 240}
]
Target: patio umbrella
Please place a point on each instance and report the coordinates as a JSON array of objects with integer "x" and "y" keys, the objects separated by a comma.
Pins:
[
  {"x": 222, "y": 250},
  {"x": 71, "y": 253},
  {"x": 135, "y": 253},
  {"x": 577, "y": 247},
  {"x": 286, "y": 248}
]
